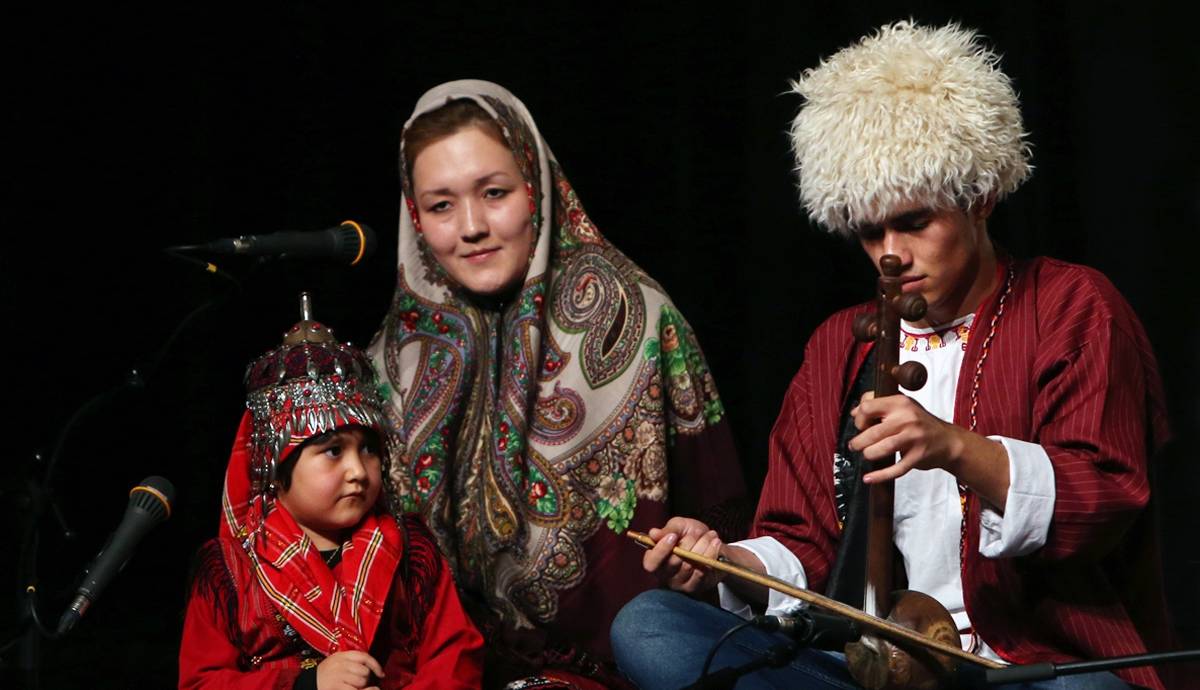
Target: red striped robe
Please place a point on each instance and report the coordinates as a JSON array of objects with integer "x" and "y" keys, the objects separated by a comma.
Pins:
[{"x": 1069, "y": 368}]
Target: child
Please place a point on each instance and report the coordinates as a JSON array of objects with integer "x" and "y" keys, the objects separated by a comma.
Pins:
[{"x": 311, "y": 583}]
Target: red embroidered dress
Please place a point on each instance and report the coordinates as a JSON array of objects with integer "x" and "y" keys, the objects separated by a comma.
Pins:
[
  {"x": 400, "y": 605},
  {"x": 265, "y": 605}
]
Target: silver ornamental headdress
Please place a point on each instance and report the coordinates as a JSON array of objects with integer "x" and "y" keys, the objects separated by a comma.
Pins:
[{"x": 309, "y": 385}]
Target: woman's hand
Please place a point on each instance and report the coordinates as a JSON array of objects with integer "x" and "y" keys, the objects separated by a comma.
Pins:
[
  {"x": 348, "y": 671},
  {"x": 673, "y": 571}
]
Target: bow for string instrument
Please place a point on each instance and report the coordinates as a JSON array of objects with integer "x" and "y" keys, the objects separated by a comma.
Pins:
[
  {"x": 886, "y": 628},
  {"x": 875, "y": 662}
]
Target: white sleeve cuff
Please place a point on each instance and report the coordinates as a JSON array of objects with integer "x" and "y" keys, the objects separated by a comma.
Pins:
[
  {"x": 779, "y": 562},
  {"x": 1029, "y": 507}
]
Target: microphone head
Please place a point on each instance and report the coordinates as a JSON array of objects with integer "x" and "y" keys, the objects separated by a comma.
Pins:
[
  {"x": 348, "y": 243},
  {"x": 154, "y": 495},
  {"x": 355, "y": 242}
]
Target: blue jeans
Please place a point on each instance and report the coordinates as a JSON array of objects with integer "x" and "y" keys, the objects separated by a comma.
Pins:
[{"x": 660, "y": 640}]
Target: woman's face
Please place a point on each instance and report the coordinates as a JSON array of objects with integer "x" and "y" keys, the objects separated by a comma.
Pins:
[{"x": 474, "y": 210}]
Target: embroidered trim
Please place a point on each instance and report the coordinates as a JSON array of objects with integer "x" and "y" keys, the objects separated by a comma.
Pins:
[
  {"x": 843, "y": 477},
  {"x": 953, "y": 334}
]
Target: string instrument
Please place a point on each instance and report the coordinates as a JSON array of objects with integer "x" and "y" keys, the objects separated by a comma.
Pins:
[
  {"x": 885, "y": 628},
  {"x": 877, "y": 663},
  {"x": 910, "y": 641}
]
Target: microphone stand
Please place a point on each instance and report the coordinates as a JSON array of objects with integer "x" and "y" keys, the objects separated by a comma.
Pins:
[
  {"x": 777, "y": 656},
  {"x": 37, "y": 496},
  {"x": 1029, "y": 673},
  {"x": 811, "y": 629}
]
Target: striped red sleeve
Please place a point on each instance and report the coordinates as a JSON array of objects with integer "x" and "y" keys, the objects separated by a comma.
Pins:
[
  {"x": 1091, "y": 415},
  {"x": 797, "y": 502}
]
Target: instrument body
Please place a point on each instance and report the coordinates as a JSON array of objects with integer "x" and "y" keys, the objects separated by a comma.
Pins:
[{"x": 879, "y": 663}]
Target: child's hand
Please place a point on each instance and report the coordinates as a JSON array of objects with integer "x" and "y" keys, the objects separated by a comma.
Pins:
[{"x": 347, "y": 671}]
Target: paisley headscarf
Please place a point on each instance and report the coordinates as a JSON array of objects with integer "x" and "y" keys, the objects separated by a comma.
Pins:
[
  {"x": 522, "y": 430},
  {"x": 308, "y": 386}
]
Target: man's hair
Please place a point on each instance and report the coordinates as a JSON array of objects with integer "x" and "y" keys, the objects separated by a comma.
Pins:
[
  {"x": 909, "y": 114},
  {"x": 283, "y": 471}
]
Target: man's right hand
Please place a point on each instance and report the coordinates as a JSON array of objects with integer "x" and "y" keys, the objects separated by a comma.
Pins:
[{"x": 673, "y": 571}]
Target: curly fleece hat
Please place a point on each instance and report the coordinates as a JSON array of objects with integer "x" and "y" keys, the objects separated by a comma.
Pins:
[{"x": 909, "y": 114}]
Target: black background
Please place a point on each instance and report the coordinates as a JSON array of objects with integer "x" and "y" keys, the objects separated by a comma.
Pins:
[{"x": 131, "y": 129}]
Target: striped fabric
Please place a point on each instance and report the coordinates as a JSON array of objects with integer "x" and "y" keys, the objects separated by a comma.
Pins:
[
  {"x": 1070, "y": 368},
  {"x": 334, "y": 609}
]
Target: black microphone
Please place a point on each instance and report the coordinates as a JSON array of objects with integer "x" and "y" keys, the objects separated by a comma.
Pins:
[
  {"x": 149, "y": 504},
  {"x": 348, "y": 243},
  {"x": 812, "y": 628}
]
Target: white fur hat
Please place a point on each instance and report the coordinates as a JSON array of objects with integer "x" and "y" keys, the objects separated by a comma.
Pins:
[{"x": 908, "y": 114}]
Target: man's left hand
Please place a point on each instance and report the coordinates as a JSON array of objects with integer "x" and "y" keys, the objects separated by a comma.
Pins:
[{"x": 898, "y": 424}]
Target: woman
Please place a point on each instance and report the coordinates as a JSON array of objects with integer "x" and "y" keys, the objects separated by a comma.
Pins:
[{"x": 541, "y": 390}]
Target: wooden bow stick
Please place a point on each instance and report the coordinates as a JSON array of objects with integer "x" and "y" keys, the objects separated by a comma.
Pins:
[{"x": 879, "y": 625}]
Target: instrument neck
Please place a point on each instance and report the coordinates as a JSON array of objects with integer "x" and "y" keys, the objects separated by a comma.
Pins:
[{"x": 881, "y": 497}]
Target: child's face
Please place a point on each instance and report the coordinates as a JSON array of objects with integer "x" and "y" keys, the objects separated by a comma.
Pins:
[{"x": 335, "y": 483}]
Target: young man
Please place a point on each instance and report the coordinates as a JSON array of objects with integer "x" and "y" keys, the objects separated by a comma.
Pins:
[{"x": 1021, "y": 479}]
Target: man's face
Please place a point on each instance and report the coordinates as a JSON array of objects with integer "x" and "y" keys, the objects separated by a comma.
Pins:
[{"x": 945, "y": 255}]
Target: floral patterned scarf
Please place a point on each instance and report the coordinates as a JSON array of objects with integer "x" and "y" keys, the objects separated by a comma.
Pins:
[{"x": 520, "y": 431}]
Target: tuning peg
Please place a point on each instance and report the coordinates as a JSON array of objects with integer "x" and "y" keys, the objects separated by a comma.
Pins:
[
  {"x": 865, "y": 327},
  {"x": 910, "y": 375},
  {"x": 911, "y": 306},
  {"x": 889, "y": 265}
]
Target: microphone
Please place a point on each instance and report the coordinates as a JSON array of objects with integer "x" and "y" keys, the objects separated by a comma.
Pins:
[
  {"x": 149, "y": 504},
  {"x": 812, "y": 628},
  {"x": 347, "y": 243}
]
